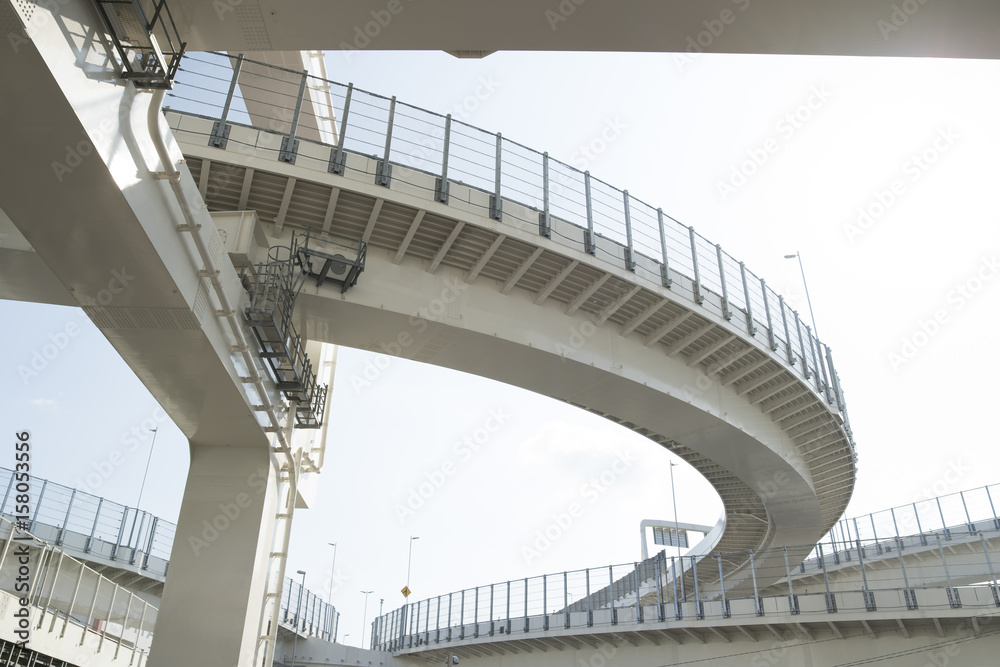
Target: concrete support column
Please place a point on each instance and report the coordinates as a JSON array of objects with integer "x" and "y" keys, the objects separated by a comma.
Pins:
[{"x": 211, "y": 606}]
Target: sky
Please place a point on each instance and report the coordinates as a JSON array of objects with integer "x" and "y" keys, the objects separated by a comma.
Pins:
[{"x": 881, "y": 172}]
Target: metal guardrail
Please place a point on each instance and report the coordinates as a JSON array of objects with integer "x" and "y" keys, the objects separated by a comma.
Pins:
[
  {"x": 649, "y": 592},
  {"x": 92, "y": 524},
  {"x": 70, "y": 597},
  {"x": 407, "y": 139},
  {"x": 973, "y": 510},
  {"x": 536, "y": 603},
  {"x": 85, "y": 522}
]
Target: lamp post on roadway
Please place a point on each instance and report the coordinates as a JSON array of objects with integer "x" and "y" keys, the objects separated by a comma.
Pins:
[
  {"x": 333, "y": 571},
  {"x": 409, "y": 560},
  {"x": 677, "y": 530},
  {"x": 364, "y": 619},
  {"x": 142, "y": 487},
  {"x": 812, "y": 316},
  {"x": 298, "y": 608}
]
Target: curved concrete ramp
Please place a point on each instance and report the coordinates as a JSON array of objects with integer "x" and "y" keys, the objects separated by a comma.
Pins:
[{"x": 449, "y": 285}]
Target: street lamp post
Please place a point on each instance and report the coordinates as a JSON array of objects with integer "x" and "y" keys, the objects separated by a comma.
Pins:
[
  {"x": 142, "y": 486},
  {"x": 298, "y": 608},
  {"x": 364, "y": 619},
  {"x": 333, "y": 571},
  {"x": 409, "y": 560},
  {"x": 812, "y": 316},
  {"x": 677, "y": 530}
]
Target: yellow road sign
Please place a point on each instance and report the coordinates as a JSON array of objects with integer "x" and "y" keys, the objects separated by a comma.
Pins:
[{"x": 406, "y": 591}]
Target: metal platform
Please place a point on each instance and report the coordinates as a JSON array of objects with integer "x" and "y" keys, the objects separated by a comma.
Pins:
[
  {"x": 135, "y": 38},
  {"x": 273, "y": 289}
]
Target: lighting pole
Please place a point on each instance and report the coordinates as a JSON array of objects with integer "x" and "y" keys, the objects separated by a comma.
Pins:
[
  {"x": 333, "y": 570},
  {"x": 364, "y": 619},
  {"x": 409, "y": 560},
  {"x": 298, "y": 608},
  {"x": 677, "y": 530},
  {"x": 812, "y": 316},
  {"x": 142, "y": 486}
]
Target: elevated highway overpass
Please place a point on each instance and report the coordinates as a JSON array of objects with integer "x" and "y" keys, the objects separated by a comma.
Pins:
[{"x": 575, "y": 290}]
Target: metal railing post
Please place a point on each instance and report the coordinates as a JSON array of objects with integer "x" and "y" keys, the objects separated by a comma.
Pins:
[
  {"x": 953, "y": 598},
  {"x": 475, "y": 613},
  {"x": 496, "y": 204},
  {"x": 149, "y": 545},
  {"x": 726, "y": 313},
  {"x": 771, "y": 342},
  {"x": 838, "y": 396},
  {"x": 802, "y": 346},
  {"x": 545, "y": 602},
  {"x": 812, "y": 350},
  {"x": 944, "y": 524},
  {"x": 507, "y": 625},
  {"x": 589, "y": 240},
  {"x": 566, "y": 598},
  {"x": 878, "y": 545},
  {"x": 133, "y": 549},
  {"x": 38, "y": 505},
  {"x": 722, "y": 588},
  {"x": 678, "y": 614},
  {"x": 751, "y": 326},
  {"x": 659, "y": 592},
  {"x": 526, "y": 625},
  {"x": 121, "y": 534},
  {"x": 461, "y": 616},
  {"x": 866, "y": 592},
  {"x": 629, "y": 250},
  {"x": 93, "y": 603},
  {"x": 220, "y": 129},
  {"x": 793, "y": 603},
  {"x": 831, "y": 601},
  {"x": 545, "y": 218},
  {"x": 290, "y": 145},
  {"x": 590, "y": 613},
  {"x": 337, "y": 156},
  {"x": 492, "y": 629},
  {"x": 638, "y": 601},
  {"x": 383, "y": 170},
  {"x": 965, "y": 506},
  {"x": 69, "y": 508},
  {"x": 993, "y": 574},
  {"x": 920, "y": 529},
  {"x": 788, "y": 335},
  {"x": 441, "y": 186},
  {"x": 699, "y": 607},
  {"x": 698, "y": 298},
  {"x": 665, "y": 279},
  {"x": 611, "y": 594},
  {"x": 449, "y": 615},
  {"x": 822, "y": 367},
  {"x": 93, "y": 529}
]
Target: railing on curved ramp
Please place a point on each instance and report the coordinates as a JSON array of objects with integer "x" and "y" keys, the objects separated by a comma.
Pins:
[
  {"x": 406, "y": 139},
  {"x": 648, "y": 591},
  {"x": 972, "y": 510},
  {"x": 86, "y": 524}
]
